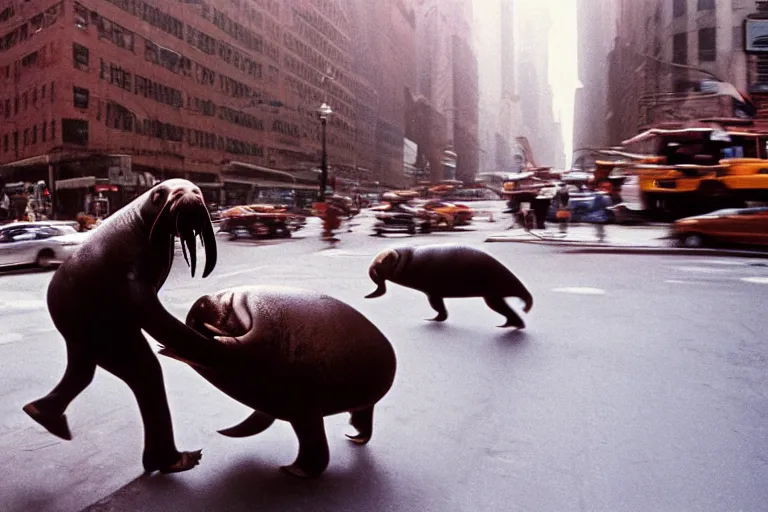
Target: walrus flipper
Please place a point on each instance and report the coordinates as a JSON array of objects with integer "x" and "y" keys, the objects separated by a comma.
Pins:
[
  {"x": 182, "y": 341},
  {"x": 254, "y": 424}
]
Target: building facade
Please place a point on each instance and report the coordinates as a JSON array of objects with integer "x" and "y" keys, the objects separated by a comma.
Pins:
[
  {"x": 664, "y": 54},
  {"x": 108, "y": 97},
  {"x": 596, "y": 29}
]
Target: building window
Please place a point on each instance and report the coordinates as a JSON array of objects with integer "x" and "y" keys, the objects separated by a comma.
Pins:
[
  {"x": 16, "y": 141},
  {"x": 34, "y": 96},
  {"x": 25, "y": 100},
  {"x": 7, "y": 108},
  {"x": 678, "y": 8},
  {"x": 44, "y": 130},
  {"x": 5, "y": 142},
  {"x": 53, "y": 131},
  {"x": 680, "y": 48},
  {"x": 706, "y": 5},
  {"x": 707, "y": 44},
  {"x": 16, "y": 105},
  {"x": 26, "y": 137},
  {"x": 42, "y": 94},
  {"x": 34, "y": 134},
  {"x": 51, "y": 91},
  {"x": 80, "y": 56},
  {"x": 74, "y": 131},
  {"x": 80, "y": 97}
]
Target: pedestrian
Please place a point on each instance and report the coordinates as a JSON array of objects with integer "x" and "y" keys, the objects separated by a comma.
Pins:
[{"x": 5, "y": 206}]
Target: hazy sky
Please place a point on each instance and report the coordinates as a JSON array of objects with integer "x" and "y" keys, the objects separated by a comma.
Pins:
[{"x": 563, "y": 70}]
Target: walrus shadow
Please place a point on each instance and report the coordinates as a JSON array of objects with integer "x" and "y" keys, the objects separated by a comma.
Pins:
[
  {"x": 252, "y": 484},
  {"x": 26, "y": 269},
  {"x": 25, "y": 500},
  {"x": 513, "y": 336}
]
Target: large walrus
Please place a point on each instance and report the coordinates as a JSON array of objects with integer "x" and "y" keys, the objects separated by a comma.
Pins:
[
  {"x": 450, "y": 271},
  {"x": 297, "y": 355},
  {"x": 102, "y": 297}
]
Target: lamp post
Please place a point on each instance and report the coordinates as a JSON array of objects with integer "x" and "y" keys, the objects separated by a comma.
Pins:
[{"x": 322, "y": 113}]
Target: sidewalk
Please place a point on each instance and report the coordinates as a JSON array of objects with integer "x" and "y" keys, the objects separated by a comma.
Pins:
[{"x": 648, "y": 238}]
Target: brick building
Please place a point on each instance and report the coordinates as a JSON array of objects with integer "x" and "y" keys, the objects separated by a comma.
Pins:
[{"x": 109, "y": 96}]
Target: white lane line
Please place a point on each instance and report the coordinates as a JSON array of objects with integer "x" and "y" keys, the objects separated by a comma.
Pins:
[
  {"x": 680, "y": 281},
  {"x": 239, "y": 272},
  {"x": 22, "y": 304},
  {"x": 757, "y": 280},
  {"x": 701, "y": 269},
  {"x": 580, "y": 290}
]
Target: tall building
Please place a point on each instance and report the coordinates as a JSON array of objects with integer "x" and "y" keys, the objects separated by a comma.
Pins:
[
  {"x": 596, "y": 29},
  {"x": 107, "y": 97},
  {"x": 532, "y": 27},
  {"x": 499, "y": 119},
  {"x": 447, "y": 88}
]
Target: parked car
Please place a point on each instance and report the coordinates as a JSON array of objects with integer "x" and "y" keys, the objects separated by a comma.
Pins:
[
  {"x": 747, "y": 226},
  {"x": 399, "y": 216},
  {"x": 44, "y": 244},
  {"x": 259, "y": 220}
]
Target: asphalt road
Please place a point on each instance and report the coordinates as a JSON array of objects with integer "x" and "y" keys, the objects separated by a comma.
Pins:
[{"x": 640, "y": 383}]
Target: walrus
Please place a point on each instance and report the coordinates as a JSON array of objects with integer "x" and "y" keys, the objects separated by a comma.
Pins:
[
  {"x": 298, "y": 356},
  {"x": 450, "y": 271},
  {"x": 102, "y": 297}
]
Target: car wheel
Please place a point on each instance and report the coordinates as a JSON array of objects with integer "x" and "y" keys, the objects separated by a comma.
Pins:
[
  {"x": 692, "y": 240},
  {"x": 45, "y": 259}
]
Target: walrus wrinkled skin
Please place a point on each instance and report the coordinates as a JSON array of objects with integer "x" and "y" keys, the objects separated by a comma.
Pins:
[
  {"x": 450, "y": 271},
  {"x": 300, "y": 356},
  {"x": 102, "y": 297}
]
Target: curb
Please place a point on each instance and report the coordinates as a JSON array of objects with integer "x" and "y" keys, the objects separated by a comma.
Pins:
[{"x": 598, "y": 248}]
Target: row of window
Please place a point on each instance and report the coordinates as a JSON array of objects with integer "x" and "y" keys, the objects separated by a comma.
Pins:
[
  {"x": 679, "y": 7},
  {"x": 29, "y": 136},
  {"x": 106, "y": 28},
  {"x": 20, "y": 103},
  {"x": 38, "y": 22},
  {"x": 707, "y": 46},
  {"x": 152, "y": 15},
  {"x": 325, "y": 27},
  {"x": 123, "y": 119}
]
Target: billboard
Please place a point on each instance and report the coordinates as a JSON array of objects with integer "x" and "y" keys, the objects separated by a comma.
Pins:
[{"x": 756, "y": 35}]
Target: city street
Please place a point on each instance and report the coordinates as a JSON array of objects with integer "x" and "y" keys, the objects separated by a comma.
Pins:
[{"x": 639, "y": 384}]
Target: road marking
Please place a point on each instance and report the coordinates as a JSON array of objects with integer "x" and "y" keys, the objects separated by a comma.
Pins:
[
  {"x": 10, "y": 337},
  {"x": 239, "y": 272},
  {"x": 22, "y": 304},
  {"x": 680, "y": 281},
  {"x": 701, "y": 269},
  {"x": 757, "y": 280},
  {"x": 580, "y": 290}
]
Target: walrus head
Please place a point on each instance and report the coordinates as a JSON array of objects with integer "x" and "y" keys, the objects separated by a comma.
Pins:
[
  {"x": 381, "y": 269},
  {"x": 178, "y": 209},
  {"x": 222, "y": 315}
]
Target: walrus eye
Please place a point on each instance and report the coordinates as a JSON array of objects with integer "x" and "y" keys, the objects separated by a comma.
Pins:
[{"x": 158, "y": 196}]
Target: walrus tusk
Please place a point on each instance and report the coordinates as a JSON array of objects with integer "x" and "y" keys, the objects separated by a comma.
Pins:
[
  {"x": 191, "y": 243},
  {"x": 215, "y": 329},
  {"x": 209, "y": 244}
]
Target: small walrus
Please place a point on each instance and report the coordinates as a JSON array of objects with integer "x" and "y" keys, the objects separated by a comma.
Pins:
[
  {"x": 451, "y": 271},
  {"x": 298, "y": 355}
]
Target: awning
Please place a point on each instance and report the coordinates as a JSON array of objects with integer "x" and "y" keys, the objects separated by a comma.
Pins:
[
  {"x": 27, "y": 162},
  {"x": 257, "y": 169},
  {"x": 72, "y": 183},
  {"x": 270, "y": 184}
]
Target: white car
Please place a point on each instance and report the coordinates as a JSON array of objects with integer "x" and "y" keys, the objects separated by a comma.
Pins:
[{"x": 44, "y": 244}]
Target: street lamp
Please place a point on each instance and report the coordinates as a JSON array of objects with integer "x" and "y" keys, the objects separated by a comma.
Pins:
[{"x": 322, "y": 113}]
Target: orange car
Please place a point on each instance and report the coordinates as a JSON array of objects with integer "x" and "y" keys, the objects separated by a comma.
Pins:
[
  {"x": 453, "y": 214},
  {"x": 730, "y": 226}
]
